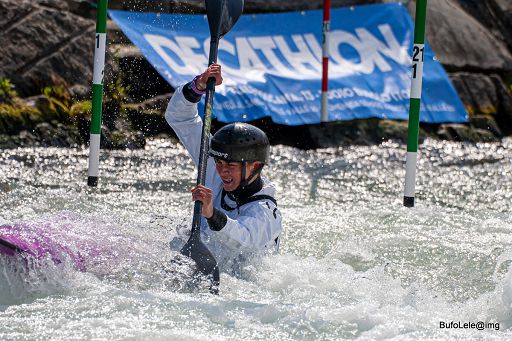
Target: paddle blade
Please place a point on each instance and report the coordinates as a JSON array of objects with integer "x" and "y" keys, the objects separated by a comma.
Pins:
[
  {"x": 222, "y": 15},
  {"x": 205, "y": 262}
]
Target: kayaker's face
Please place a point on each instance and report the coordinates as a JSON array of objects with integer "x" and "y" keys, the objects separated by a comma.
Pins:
[{"x": 231, "y": 173}]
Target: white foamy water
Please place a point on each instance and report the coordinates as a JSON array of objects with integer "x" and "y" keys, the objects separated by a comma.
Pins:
[{"x": 354, "y": 263}]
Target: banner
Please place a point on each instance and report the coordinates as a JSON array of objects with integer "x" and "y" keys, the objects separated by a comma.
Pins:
[{"x": 272, "y": 64}]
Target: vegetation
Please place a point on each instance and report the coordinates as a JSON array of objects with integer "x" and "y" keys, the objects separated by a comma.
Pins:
[
  {"x": 56, "y": 106},
  {"x": 59, "y": 100},
  {"x": 16, "y": 116},
  {"x": 7, "y": 92}
]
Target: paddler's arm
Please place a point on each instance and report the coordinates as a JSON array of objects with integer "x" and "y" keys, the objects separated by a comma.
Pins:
[{"x": 182, "y": 115}]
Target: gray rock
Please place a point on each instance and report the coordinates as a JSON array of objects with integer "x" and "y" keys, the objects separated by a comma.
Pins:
[
  {"x": 128, "y": 140},
  {"x": 485, "y": 95},
  {"x": 57, "y": 4},
  {"x": 477, "y": 92},
  {"x": 42, "y": 45},
  {"x": 80, "y": 92},
  {"x": 486, "y": 122},
  {"x": 148, "y": 116},
  {"x": 495, "y": 15},
  {"x": 464, "y": 133},
  {"x": 461, "y": 42},
  {"x": 504, "y": 116}
]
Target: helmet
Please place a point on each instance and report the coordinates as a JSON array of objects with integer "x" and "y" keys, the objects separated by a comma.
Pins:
[{"x": 239, "y": 142}]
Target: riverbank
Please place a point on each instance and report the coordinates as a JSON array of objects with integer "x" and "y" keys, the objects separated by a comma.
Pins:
[
  {"x": 44, "y": 121},
  {"x": 60, "y": 117},
  {"x": 45, "y": 92}
]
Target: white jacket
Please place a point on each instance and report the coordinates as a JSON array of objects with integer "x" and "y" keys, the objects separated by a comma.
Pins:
[{"x": 256, "y": 226}]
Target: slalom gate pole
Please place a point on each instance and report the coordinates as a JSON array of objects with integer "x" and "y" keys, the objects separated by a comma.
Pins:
[
  {"x": 97, "y": 92},
  {"x": 418, "y": 53},
  {"x": 325, "y": 59}
]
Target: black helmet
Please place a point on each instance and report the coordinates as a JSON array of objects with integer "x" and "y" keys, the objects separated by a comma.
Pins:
[{"x": 239, "y": 142}]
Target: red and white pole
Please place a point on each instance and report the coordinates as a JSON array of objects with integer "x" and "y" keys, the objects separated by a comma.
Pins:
[{"x": 325, "y": 58}]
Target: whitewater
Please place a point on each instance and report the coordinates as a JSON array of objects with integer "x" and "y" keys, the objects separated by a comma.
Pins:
[{"x": 354, "y": 263}]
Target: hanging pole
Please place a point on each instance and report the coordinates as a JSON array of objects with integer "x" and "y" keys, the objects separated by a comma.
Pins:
[
  {"x": 418, "y": 53},
  {"x": 97, "y": 92},
  {"x": 325, "y": 58}
]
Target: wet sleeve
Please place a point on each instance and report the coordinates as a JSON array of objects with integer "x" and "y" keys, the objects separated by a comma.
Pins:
[{"x": 181, "y": 114}]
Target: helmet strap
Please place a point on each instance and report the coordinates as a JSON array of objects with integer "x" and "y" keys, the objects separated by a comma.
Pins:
[{"x": 244, "y": 182}]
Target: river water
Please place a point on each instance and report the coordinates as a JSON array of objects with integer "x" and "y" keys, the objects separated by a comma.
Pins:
[{"x": 354, "y": 263}]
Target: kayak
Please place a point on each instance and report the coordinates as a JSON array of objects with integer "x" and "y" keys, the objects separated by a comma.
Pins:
[{"x": 24, "y": 240}]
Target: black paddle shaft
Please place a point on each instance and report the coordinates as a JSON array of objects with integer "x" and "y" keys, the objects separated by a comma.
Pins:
[
  {"x": 222, "y": 15},
  {"x": 195, "y": 248},
  {"x": 205, "y": 137}
]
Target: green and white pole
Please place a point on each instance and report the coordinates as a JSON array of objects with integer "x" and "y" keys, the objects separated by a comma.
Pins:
[
  {"x": 418, "y": 53},
  {"x": 97, "y": 92}
]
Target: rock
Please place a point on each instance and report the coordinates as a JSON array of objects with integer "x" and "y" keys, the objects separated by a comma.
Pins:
[
  {"x": 477, "y": 92},
  {"x": 41, "y": 103},
  {"x": 57, "y": 4},
  {"x": 42, "y": 45},
  {"x": 8, "y": 141},
  {"x": 148, "y": 116},
  {"x": 115, "y": 36},
  {"x": 486, "y": 122},
  {"x": 504, "y": 116},
  {"x": 158, "y": 103},
  {"x": 80, "y": 92},
  {"x": 49, "y": 136},
  {"x": 4, "y": 185},
  {"x": 145, "y": 82},
  {"x": 461, "y": 42},
  {"x": 392, "y": 130},
  {"x": 128, "y": 140},
  {"x": 471, "y": 38},
  {"x": 495, "y": 15},
  {"x": 362, "y": 132},
  {"x": 485, "y": 95},
  {"x": 28, "y": 139},
  {"x": 464, "y": 133}
]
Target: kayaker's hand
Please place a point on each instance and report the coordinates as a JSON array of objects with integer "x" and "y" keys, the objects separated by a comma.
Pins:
[
  {"x": 203, "y": 194},
  {"x": 213, "y": 70}
]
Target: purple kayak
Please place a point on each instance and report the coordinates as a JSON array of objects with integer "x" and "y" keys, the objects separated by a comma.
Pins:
[{"x": 55, "y": 242}]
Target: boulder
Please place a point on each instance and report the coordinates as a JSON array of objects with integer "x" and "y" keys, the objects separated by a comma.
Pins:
[
  {"x": 148, "y": 116},
  {"x": 488, "y": 96},
  {"x": 134, "y": 69},
  {"x": 43, "y": 44},
  {"x": 477, "y": 92},
  {"x": 361, "y": 132},
  {"x": 486, "y": 122},
  {"x": 55, "y": 134},
  {"x": 504, "y": 116},
  {"x": 461, "y": 42},
  {"x": 464, "y": 133},
  {"x": 495, "y": 15}
]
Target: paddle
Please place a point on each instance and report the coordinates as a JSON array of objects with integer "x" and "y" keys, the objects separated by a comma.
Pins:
[{"x": 222, "y": 15}]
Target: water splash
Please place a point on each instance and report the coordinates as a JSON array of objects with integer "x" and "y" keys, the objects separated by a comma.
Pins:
[{"x": 354, "y": 262}]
